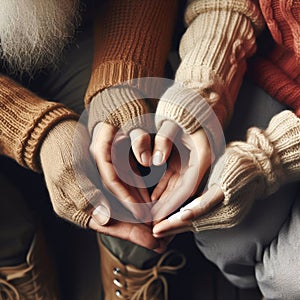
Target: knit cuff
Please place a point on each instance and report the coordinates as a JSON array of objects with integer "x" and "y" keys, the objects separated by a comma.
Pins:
[
  {"x": 224, "y": 215},
  {"x": 111, "y": 73},
  {"x": 81, "y": 218},
  {"x": 121, "y": 106},
  {"x": 47, "y": 121},
  {"x": 255, "y": 169},
  {"x": 284, "y": 134},
  {"x": 131, "y": 40},
  {"x": 214, "y": 49},
  {"x": 25, "y": 121},
  {"x": 190, "y": 111},
  {"x": 247, "y": 8}
]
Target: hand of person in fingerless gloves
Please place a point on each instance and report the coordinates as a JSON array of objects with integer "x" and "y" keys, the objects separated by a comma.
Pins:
[
  {"x": 207, "y": 81},
  {"x": 247, "y": 171},
  {"x": 73, "y": 184},
  {"x": 66, "y": 165},
  {"x": 119, "y": 118}
]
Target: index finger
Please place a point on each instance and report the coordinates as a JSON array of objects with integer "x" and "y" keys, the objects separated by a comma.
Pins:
[
  {"x": 182, "y": 220},
  {"x": 101, "y": 149}
]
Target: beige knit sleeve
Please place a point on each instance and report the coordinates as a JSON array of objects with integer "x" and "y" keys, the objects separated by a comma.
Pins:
[
  {"x": 221, "y": 35},
  {"x": 254, "y": 170},
  {"x": 25, "y": 119}
]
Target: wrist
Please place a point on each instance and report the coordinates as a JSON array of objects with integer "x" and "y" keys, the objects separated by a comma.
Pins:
[
  {"x": 192, "y": 113},
  {"x": 120, "y": 106}
]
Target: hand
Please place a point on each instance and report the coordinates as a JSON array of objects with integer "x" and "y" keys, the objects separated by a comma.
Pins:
[
  {"x": 247, "y": 171},
  {"x": 188, "y": 162},
  {"x": 72, "y": 181},
  {"x": 182, "y": 221},
  {"x": 118, "y": 168}
]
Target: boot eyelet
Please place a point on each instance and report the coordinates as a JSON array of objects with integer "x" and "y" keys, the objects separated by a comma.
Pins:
[
  {"x": 117, "y": 283},
  {"x": 118, "y": 294},
  {"x": 116, "y": 271}
]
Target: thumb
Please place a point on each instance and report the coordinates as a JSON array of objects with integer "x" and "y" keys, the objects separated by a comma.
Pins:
[
  {"x": 141, "y": 146},
  {"x": 101, "y": 214},
  {"x": 163, "y": 142}
]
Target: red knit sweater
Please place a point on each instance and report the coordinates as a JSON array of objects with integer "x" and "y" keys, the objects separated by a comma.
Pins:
[{"x": 279, "y": 72}]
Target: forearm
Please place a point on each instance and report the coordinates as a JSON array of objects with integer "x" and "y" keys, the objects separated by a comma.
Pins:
[
  {"x": 25, "y": 121},
  {"x": 132, "y": 40},
  {"x": 254, "y": 169},
  {"x": 219, "y": 38}
]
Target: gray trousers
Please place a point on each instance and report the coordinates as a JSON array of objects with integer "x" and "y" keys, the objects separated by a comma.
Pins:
[{"x": 264, "y": 249}]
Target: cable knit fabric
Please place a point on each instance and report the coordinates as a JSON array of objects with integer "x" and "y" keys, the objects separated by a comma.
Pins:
[
  {"x": 25, "y": 120},
  {"x": 279, "y": 71},
  {"x": 254, "y": 169},
  {"x": 219, "y": 38}
]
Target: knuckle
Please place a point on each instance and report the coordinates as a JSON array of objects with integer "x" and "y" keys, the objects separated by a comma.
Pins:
[
  {"x": 162, "y": 141},
  {"x": 142, "y": 141}
]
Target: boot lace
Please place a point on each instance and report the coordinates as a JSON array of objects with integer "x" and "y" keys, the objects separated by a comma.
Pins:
[
  {"x": 28, "y": 285},
  {"x": 147, "y": 284}
]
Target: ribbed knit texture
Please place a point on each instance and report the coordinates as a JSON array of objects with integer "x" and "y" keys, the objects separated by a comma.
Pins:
[
  {"x": 279, "y": 72},
  {"x": 24, "y": 122},
  {"x": 254, "y": 169},
  {"x": 121, "y": 106},
  {"x": 69, "y": 187},
  {"x": 219, "y": 38},
  {"x": 132, "y": 40}
]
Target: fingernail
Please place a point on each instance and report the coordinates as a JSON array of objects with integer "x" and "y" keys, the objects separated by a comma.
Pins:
[
  {"x": 145, "y": 157},
  {"x": 101, "y": 215},
  {"x": 157, "y": 158}
]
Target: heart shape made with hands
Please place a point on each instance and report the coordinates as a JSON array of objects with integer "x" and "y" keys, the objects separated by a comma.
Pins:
[{"x": 153, "y": 190}]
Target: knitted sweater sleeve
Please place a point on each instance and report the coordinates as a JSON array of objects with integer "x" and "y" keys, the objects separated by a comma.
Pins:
[
  {"x": 25, "y": 119},
  {"x": 221, "y": 35},
  {"x": 254, "y": 169},
  {"x": 132, "y": 40}
]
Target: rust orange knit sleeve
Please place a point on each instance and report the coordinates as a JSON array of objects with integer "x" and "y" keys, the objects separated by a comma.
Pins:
[
  {"x": 25, "y": 119},
  {"x": 132, "y": 39}
]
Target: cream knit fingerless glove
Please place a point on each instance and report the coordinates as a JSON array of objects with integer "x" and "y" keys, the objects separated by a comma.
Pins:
[
  {"x": 254, "y": 169},
  {"x": 121, "y": 106},
  {"x": 66, "y": 165},
  {"x": 220, "y": 37}
]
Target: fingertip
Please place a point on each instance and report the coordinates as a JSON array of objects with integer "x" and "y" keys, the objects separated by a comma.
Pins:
[
  {"x": 155, "y": 231},
  {"x": 101, "y": 215},
  {"x": 153, "y": 197},
  {"x": 162, "y": 149},
  {"x": 145, "y": 159},
  {"x": 141, "y": 146},
  {"x": 158, "y": 158}
]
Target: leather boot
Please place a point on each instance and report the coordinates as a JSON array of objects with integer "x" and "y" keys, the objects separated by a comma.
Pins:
[
  {"x": 127, "y": 282},
  {"x": 31, "y": 280}
]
